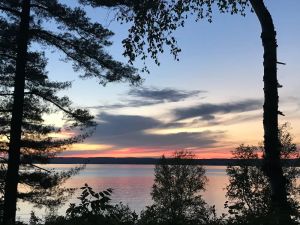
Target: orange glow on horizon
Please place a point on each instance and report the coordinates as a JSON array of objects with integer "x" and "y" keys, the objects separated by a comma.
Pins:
[
  {"x": 153, "y": 153},
  {"x": 95, "y": 147}
]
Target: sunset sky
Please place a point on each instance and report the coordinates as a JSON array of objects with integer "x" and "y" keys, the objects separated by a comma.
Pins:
[{"x": 209, "y": 102}]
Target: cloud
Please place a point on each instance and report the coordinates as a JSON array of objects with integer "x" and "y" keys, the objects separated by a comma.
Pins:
[
  {"x": 162, "y": 95},
  {"x": 128, "y": 131},
  {"x": 292, "y": 100},
  {"x": 126, "y": 134},
  {"x": 112, "y": 125},
  {"x": 208, "y": 111},
  {"x": 145, "y": 96}
]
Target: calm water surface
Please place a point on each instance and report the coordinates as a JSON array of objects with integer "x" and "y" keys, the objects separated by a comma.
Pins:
[{"x": 131, "y": 184}]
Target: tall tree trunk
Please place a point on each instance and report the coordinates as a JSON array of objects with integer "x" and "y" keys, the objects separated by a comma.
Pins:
[
  {"x": 12, "y": 175},
  {"x": 272, "y": 164}
]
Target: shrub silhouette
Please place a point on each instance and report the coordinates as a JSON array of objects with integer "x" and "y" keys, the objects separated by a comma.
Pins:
[
  {"x": 94, "y": 208},
  {"x": 249, "y": 190},
  {"x": 176, "y": 193}
]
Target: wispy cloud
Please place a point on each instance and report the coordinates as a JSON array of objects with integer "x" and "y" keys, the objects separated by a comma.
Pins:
[
  {"x": 209, "y": 111},
  {"x": 162, "y": 95},
  {"x": 146, "y": 96}
]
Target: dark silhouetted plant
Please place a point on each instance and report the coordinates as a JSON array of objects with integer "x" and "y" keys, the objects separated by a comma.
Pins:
[
  {"x": 249, "y": 190},
  {"x": 177, "y": 193},
  {"x": 91, "y": 203},
  {"x": 95, "y": 208}
]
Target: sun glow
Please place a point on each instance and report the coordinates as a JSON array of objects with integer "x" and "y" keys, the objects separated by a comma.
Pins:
[{"x": 94, "y": 147}]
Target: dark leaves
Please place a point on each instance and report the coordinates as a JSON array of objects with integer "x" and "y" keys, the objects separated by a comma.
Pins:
[
  {"x": 154, "y": 22},
  {"x": 91, "y": 203}
]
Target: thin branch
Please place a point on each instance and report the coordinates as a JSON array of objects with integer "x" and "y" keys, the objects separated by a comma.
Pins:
[
  {"x": 114, "y": 3},
  {"x": 5, "y": 111},
  {"x": 40, "y": 168},
  {"x": 8, "y": 56},
  {"x": 6, "y": 94},
  {"x": 4, "y": 159},
  {"x": 53, "y": 102},
  {"x": 39, "y": 7},
  {"x": 7, "y": 9},
  {"x": 281, "y": 63}
]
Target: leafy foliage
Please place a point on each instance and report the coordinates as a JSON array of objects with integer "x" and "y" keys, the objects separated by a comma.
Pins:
[
  {"x": 95, "y": 208},
  {"x": 153, "y": 23},
  {"x": 176, "y": 193},
  {"x": 91, "y": 203},
  {"x": 34, "y": 220},
  {"x": 249, "y": 191}
]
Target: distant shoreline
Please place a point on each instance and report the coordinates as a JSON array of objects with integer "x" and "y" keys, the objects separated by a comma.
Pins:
[{"x": 153, "y": 161}]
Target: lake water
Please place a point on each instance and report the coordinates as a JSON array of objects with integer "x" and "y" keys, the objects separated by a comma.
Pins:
[{"x": 131, "y": 184}]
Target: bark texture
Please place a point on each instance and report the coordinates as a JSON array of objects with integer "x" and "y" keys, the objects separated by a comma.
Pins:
[
  {"x": 272, "y": 164},
  {"x": 12, "y": 176}
]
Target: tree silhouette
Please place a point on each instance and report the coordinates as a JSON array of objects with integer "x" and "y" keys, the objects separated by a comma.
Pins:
[
  {"x": 176, "y": 193},
  {"x": 95, "y": 208},
  {"x": 164, "y": 17},
  {"x": 39, "y": 186},
  {"x": 249, "y": 190},
  {"x": 25, "y": 25}
]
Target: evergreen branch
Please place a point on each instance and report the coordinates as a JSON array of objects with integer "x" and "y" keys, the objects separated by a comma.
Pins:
[
  {"x": 6, "y": 94},
  {"x": 5, "y": 110},
  {"x": 9, "y": 56},
  {"x": 39, "y": 7},
  {"x": 74, "y": 19},
  {"x": 4, "y": 159},
  {"x": 33, "y": 165},
  {"x": 58, "y": 39},
  {"x": 67, "y": 111},
  {"x": 7, "y": 9},
  {"x": 38, "y": 167},
  {"x": 53, "y": 102},
  {"x": 88, "y": 54}
]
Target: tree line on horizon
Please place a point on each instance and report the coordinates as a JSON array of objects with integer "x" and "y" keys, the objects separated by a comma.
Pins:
[{"x": 27, "y": 93}]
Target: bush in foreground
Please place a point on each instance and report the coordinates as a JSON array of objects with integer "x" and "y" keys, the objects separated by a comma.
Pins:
[{"x": 94, "y": 209}]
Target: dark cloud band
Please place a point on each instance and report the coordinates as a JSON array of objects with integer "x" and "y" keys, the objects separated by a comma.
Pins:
[
  {"x": 146, "y": 96},
  {"x": 208, "y": 111},
  {"x": 164, "y": 95},
  {"x": 126, "y": 131}
]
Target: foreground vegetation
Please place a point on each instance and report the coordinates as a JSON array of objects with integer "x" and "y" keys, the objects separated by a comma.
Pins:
[{"x": 177, "y": 194}]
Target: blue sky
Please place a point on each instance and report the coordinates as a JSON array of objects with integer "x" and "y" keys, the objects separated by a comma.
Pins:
[{"x": 220, "y": 70}]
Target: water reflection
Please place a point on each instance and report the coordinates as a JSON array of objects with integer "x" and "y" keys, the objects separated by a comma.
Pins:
[{"x": 132, "y": 185}]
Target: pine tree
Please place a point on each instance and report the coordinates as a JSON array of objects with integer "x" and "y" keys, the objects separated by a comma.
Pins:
[
  {"x": 40, "y": 186},
  {"x": 26, "y": 92}
]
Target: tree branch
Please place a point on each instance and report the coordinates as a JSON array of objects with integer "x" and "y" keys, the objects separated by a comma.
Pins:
[
  {"x": 38, "y": 167},
  {"x": 7, "y": 9},
  {"x": 6, "y": 94},
  {"x": 8, "y": 55},
  {"x": 108, "y": 3}
]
